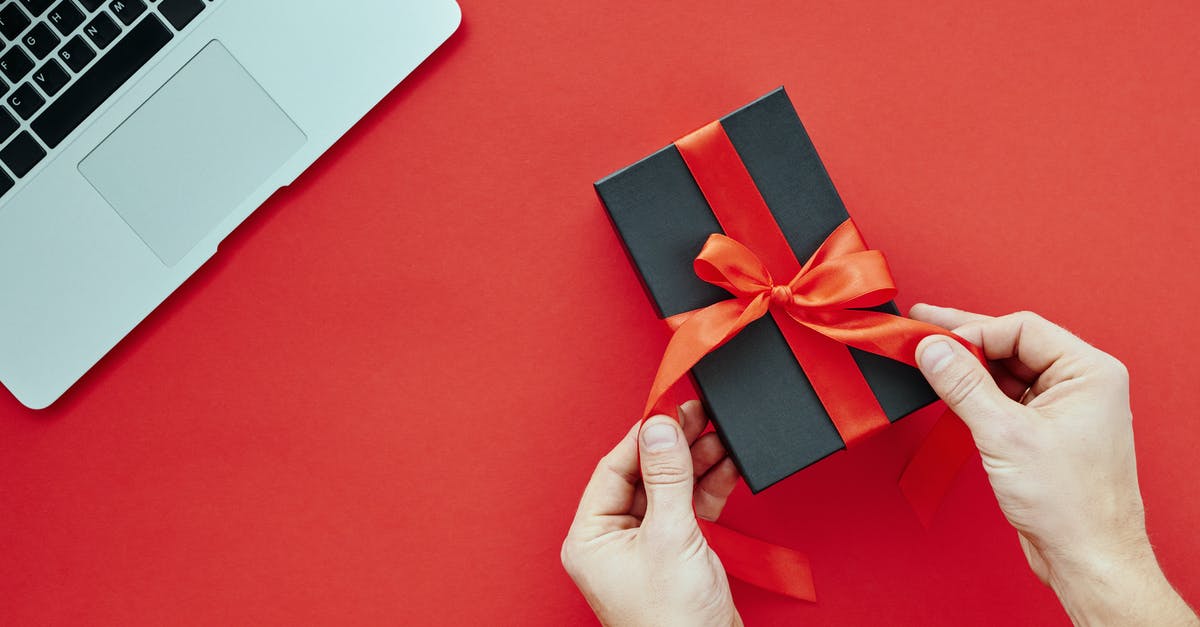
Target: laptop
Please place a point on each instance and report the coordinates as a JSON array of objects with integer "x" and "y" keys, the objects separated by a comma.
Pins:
[{"x": 135, "y": 135}]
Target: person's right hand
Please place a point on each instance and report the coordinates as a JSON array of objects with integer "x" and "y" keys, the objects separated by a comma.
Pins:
[{"x": 1052, "y": 422}]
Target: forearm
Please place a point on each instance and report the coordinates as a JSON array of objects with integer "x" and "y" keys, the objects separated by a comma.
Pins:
[{"x": 1129, "y": 592}]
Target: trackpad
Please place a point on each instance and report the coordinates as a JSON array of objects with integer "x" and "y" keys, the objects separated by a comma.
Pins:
[{"x": 192, "y": 153}]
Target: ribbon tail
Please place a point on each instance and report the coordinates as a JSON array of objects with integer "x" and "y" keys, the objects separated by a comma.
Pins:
[
  {"x": 699, "y": 335},
  {"x": 931, "y": 471},
  {"x": 933, "y": 467},
  {"x": 769, "y": 566},
  {"x": 894, "y": 337}
]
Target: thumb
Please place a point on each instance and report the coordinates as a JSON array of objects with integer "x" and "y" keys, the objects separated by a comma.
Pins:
[
  {"x": 666, "y": 462},
  {"x": 960, "y": 380}
]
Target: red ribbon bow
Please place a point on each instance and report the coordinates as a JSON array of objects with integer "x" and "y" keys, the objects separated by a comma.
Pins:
[
  {"x": 824, "y": 297},
  {"x": 818, "y": 312}
]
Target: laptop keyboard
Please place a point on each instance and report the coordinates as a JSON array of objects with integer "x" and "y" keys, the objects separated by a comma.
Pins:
[{"x": 61, "y": 59}]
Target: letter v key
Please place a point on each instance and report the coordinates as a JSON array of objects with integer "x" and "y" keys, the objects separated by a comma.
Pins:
[{"x": 51, "y": 77}]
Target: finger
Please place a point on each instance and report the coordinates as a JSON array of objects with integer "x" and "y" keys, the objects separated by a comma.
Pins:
[
  {"x": 945, "y": 317},
  {"x": 960, "y": 380},
  {"x": 693, "y": 419},
  {"x": 973, "y": 334},
  {"x": 714, "y": 488},
  {"x": 1018, "y": 370},
  {"x": 1026, "y": 338},
  {"x": 666, "y": 463},
  {"x": 706, "y": 453},
  {"x": 638, "y": 508},
  {"x": 959, "y": 320},
  {"x": 610, "y": 490},
  {"x": 1012, "y": 387}
]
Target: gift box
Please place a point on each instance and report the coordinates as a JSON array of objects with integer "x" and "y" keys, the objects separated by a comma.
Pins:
[{"x": 755, "y": 389}]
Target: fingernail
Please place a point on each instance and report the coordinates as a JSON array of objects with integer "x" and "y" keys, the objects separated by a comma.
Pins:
[
  {"x": 659, "y": 436},
  {"x": 937, "y": 355}
]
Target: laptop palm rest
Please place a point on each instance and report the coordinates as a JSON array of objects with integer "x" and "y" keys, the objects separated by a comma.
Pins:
[{"x": 177, "y": 167}]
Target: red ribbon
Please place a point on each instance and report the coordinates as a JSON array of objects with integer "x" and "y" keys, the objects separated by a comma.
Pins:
[{"x": 818, "y": 311}]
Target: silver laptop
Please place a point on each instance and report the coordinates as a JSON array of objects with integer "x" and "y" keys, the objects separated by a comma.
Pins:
[{"x": 136, "y": 134}]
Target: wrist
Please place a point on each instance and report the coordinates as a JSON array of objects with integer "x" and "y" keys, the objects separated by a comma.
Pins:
[{"x": 1118, "y": 589}]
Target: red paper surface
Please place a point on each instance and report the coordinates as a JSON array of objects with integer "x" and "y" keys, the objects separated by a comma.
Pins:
[{"x": 380, "y": 402}]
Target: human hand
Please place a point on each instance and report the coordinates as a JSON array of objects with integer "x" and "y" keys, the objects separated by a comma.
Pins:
[
  {"x": 635, "y": 549},
  {"x": 1051, "y": 418}
]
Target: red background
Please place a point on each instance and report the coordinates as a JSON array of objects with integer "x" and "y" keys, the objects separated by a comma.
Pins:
[{"x": 380, "y": 401}]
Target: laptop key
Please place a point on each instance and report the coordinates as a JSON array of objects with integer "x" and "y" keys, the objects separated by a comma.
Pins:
[
  {"x": 12, "y": 21},
  {"x": 6, "y": 183},
  {"x": 8, "y": 124},
  {"x": 65, "y": 17},
  {"x": 95, "y": 86},
  {"x": 21, "y": 154},
  {"x": 102, "y": 31},
  {"x": 91, "y": 5},
  {"x": 25, "y": 101},
  {"x": 77, "y": 53},
  {"x": 127, "y": 10},
  {"x": 180, "y": 13},
  {"x": 51, "y": 78},
  {"x": 15, "y": 64},
  {"x": 40, "y": 40},
  {"x": 37, "y": 7}
]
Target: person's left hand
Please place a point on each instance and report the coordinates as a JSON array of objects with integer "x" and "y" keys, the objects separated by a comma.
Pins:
[{"x": 635, "y": 549}]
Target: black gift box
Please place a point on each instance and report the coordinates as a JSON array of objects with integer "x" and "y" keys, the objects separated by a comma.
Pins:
[{"x": 756, "y": 393}]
